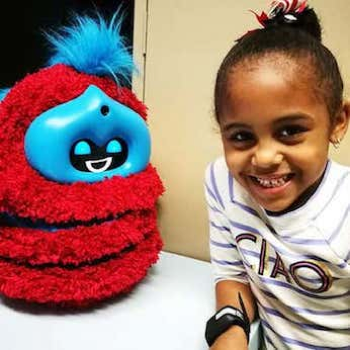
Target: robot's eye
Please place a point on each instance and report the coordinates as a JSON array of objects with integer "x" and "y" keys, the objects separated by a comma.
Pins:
[
  {"x": 82, "y": 148},
  {"x": 114, "y": 146}
]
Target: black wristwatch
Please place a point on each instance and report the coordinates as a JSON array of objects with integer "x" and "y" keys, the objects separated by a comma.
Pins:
[{"x": 225, "y": 318}]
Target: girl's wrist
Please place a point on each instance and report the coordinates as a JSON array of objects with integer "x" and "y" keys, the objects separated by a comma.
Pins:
[{"x": 234, "y": 338}]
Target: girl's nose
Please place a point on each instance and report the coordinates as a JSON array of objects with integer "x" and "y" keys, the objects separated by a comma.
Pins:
[{"x": 266, "y": 157}]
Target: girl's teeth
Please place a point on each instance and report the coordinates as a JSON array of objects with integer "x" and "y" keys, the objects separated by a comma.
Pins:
[{"x": 269, "y": 183}]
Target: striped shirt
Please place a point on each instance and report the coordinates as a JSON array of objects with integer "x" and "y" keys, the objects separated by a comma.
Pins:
[{"x": 297, "y": 264}]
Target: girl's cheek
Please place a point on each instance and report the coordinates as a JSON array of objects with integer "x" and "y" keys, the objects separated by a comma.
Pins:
[{"x": 236, "y": 162}]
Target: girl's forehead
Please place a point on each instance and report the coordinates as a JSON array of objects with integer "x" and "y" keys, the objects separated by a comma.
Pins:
[
  {"x": 270, "y": 89},
  {"x": 271, "y": 71},
  {"x": 291, "y": 68}
]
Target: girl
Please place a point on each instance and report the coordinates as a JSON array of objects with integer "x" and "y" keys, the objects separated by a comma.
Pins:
[{"x": 279, "y": 209}]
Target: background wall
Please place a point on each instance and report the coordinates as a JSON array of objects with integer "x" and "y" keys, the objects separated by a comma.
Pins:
[{"x": 179, "y": 45}]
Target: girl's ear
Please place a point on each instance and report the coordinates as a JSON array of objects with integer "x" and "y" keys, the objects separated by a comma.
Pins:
[{"x": 340, "y": 124}]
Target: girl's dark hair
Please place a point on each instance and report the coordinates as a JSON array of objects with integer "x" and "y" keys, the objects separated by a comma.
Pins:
[{"x": 300, "y": 40}]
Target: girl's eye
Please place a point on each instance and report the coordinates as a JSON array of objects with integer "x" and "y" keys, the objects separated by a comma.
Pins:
[
  {"x": 291, "y": 131},
  {"x": 242, "y": 138}
]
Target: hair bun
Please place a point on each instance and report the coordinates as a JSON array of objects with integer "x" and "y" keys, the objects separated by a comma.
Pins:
[
  {"x": 309, "y": 22},
  {"x": 294, "y": 13}
]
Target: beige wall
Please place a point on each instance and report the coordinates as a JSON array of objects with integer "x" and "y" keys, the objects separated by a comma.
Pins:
[{"x": 184, "y": 42}]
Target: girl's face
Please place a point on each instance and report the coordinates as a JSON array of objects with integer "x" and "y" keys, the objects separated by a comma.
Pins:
[{"x": 275, "y": 132}]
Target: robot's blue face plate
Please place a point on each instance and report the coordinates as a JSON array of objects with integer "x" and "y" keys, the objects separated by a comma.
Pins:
[{"x": 88, "y": 139}]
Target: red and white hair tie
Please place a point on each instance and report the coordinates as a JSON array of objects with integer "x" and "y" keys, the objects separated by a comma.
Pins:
[{"x": 286, "y": 6}]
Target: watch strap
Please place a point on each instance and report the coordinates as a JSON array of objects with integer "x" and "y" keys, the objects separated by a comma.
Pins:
[{"x": 224, "y": 319}]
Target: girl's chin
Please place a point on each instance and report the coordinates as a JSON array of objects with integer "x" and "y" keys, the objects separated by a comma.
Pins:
[{"x": 275, "y": 207}]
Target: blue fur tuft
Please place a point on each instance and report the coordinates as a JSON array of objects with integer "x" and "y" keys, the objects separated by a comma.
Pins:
[
  {"x": 3, "y": 93},
  {"x": 93, "y": 46}
]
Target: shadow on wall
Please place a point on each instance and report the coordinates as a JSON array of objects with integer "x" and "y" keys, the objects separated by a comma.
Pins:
[{"x": 22, "y": 24}]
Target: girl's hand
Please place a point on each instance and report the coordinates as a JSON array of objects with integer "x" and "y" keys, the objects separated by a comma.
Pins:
[{"x": 233, "y": 339}]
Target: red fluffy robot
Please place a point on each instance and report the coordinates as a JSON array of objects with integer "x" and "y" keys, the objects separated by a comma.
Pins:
[{"x": 78, "y": 195}]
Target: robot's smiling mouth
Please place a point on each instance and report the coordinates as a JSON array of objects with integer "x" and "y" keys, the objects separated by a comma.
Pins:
[
  {"x": 86, "y": 156},
  {"x": 98, "y": 166}
]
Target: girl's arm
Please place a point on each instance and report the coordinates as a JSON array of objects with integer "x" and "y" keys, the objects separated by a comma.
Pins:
[
  {"x": 228, "y": 267},
  {"x": 227, "y": 294}
]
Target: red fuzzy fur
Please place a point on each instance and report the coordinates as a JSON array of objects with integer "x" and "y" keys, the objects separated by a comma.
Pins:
[
  {"x": 27, "y": 195},
  {"x": 80, "y": 287},
  {"x": 63, "y": 266},
  {"x": 73, "y": 246}
]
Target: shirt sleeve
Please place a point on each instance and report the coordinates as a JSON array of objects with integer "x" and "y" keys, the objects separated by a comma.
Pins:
[{"x": 225, "y": 257}]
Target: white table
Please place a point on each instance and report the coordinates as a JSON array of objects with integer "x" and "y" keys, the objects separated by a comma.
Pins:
[{"x": 166, "y": 311}]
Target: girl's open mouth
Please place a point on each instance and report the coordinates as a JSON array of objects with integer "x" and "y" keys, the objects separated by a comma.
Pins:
[{"x": 271, "y": 182}]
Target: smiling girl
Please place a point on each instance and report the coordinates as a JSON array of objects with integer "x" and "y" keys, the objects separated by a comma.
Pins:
[{"x": 279, "y": 209}]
